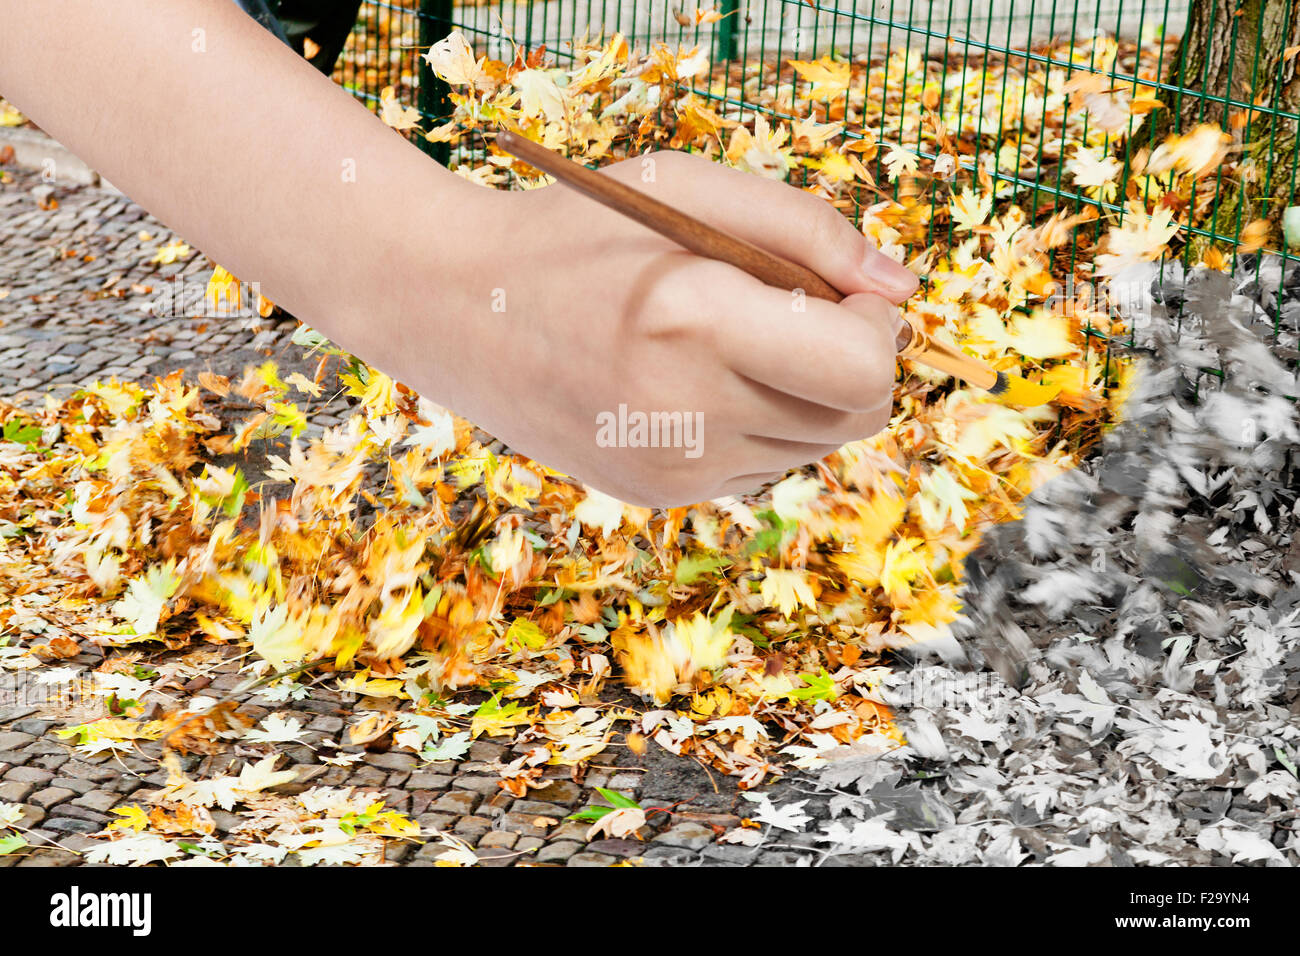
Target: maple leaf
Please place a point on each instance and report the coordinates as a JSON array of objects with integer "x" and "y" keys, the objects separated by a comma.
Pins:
[
  {"x": 11, "y": 843},
  {"x": 746, "y": 726},
  {"x": 1043, "y": 335},
  {"x": 496, "y": 720},
  {"x": 899, "y": 161},
  {"x": 1091, "y": 169},
  {"x": 135, "y": 850},
  {"x": 539, "y": 95},
  {"x": 829, "y": 79},
  {"x": 452, "y": 59},
  {"x": 275, "y": 637},
  {"x": 1139, "y": 238},
  {"x": 146, "y": 596},
  {"x": 599, "y": 511},
  {"x": 393, "y": 632},
  {"x": 790, "y": 817},
  {"x": 762, "y": 152},
  {"x": 787, "y": 589},
  {"x": 256, "y": 777},
  {"x": 394, "y": 114},
  {"x": 1197, "y": 153},
  {"x": 943, "y": 500},
  {"x": 969, "y": 210},
  {"x": 438, "y": 437},
  {"x": 449, "y": 748},
  {"x": 275, "y": 729},
  {"x": 901, "y": 565}
]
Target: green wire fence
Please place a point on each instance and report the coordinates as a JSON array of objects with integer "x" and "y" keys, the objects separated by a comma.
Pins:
[{"x": 757, "y": 38}]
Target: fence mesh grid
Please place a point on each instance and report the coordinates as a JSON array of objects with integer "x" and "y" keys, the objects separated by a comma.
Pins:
[{"x": 997, "y": 50}]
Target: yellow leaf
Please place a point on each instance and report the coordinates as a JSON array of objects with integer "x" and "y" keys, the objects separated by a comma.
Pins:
[
  {"x": 828, "y": 78},
  {"x": 786, "y": 590},
  {"x": 394, "y": 114},
  {"x": 172, "y": 252},
  {"x": 133, "y": 818}
]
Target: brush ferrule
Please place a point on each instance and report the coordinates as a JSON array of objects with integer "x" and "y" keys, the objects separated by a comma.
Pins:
[{"x": 915, "y": 343}]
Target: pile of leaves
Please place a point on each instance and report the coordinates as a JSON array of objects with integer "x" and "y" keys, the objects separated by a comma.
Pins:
[
  {"x": 1149, "y": 604},
  {"x": 416, "y": 559}
]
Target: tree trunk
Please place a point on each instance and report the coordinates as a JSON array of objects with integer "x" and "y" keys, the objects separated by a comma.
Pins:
[{"x": 1236, "y": 49}]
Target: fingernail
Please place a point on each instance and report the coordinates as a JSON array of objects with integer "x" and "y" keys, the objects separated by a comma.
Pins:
[{"x": 894, "y": 279}]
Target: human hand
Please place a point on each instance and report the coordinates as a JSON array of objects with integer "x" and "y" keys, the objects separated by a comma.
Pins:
[{"x": 576, "y": 325}]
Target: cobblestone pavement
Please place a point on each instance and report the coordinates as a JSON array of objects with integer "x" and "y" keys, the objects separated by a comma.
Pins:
[{"x": 80, "y": 293}]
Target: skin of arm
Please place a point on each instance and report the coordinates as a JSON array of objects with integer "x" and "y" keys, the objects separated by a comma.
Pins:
[{"x": 220, "y": 131}]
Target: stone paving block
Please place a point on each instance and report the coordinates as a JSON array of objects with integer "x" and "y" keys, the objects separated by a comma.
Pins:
[
  {"x": 663, "y": 855},
  {"x": 558, "y": 851},
  {"x": 500, "y": 839},
  {"x": 781, "y": 858},
  {"x": 484, "y": 751},
  {"x": 621, "y": 848},
  {"x": 562, "y": 792},
  {"x": 399, "y": 851},
  {"x": 393, "y": 760},
  {"x": 472, "y": 829},
  {"x": 424, "y": 780},
  {"x": 81, "y": 813},
  {"x": 692, "y": 836},
  {"x": 479, "y": 783},
  {"x": 521, "y": 823},
  {"x": 571, "y": 830},
  {"x": 420, "y": 800},
  {"x": 73, "y": 783},
  {"x": 73, "y": 825},
  {"x": 16, "y": 791},
  {"x": 459, "y": 802},
  {"x": 435, "y": 821},
  {"x": 732, "y": 854},
  {"x": 526, "y": 845},
  {"x": 101, "y": 773},
  {"x": 32, "y": 816},
  {"x": 30, "y": 775},
  {"x": 15, "y": 740},
  {"x": 50, "y": 796},
  {"x": 538, "y": 809},
  {"x": 591, "y": 859}
]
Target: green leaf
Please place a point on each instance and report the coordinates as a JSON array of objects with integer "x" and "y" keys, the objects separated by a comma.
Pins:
[
  {"x": 8, "y": 844},
  {"x": 692, "y": 567},
  {"x": 617, "y": 799},
  {"x": 21, "y": 432},
  {"x": 1286, "y": 761},
  {"x": 525, "y": 635},
  {"x": 590, "y": 814},
  {"x": 821, "y": 686}
]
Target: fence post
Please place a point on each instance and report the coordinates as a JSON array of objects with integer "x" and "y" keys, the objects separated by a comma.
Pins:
[
  {"x": 728, "y": 29},
  {"x": 434, "y": 18}
]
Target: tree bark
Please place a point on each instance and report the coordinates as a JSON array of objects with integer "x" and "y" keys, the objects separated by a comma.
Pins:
[{"x": 1235, "y": 49}]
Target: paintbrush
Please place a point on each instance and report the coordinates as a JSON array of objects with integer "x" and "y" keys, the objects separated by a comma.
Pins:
[{"x": 913, "y": 344}]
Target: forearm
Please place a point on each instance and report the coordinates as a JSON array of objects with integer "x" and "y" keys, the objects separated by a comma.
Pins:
[{"x": 225, "y": 135}]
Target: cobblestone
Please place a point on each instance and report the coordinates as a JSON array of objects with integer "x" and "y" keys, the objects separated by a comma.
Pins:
[
  {"x": 69, "y": 321},
  {"x": 50, "y": 796}
]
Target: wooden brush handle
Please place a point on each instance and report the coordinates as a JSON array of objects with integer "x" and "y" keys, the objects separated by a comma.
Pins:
[{"x": 704, "y": 240}]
